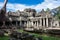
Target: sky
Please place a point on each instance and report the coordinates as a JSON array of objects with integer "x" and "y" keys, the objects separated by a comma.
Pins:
[{"x": 38, "y": 5}]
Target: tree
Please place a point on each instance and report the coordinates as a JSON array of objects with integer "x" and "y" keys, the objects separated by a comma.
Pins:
[
  {"x": 57, "y": 14},
  {"x": 47, "y": 9}
]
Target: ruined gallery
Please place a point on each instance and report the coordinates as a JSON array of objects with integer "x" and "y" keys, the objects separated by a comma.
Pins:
[{"x": 30, "y": 19}]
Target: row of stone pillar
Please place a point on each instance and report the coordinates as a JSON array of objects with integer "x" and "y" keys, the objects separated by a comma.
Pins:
[
  {"x": 37, "y": 23},
  {"x": 41, "y": 22}
]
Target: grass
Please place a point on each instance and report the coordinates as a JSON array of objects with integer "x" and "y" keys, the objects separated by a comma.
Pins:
[
  {"x": 4, "y": 38},
  {"x": 50, "y": 38}
]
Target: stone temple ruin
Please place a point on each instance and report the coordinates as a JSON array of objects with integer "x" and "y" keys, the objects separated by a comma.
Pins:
[{"x": 28, "y": 19}]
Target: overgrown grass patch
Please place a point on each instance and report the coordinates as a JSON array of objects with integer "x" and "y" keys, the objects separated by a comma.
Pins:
[
  {"x": 4, "y": 38},
  {"x": 50, "y": 38}
]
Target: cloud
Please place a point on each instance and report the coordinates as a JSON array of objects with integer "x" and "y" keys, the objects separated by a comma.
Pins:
[
  {"x": 46, "y": 4},
  {"x": 18, "y": 6}
]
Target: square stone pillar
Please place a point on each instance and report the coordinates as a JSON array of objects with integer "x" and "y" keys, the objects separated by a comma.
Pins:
[
  {"x": 51, "y": 24},
  {"x": 27, "y": 23},
  {"x": 40, "y": 21},
  {"x": 20, "y": 23},
  {"x": 46, "y": 22},
  {"x": 37, "y": 23},
  {"x": 24, "y": 23},
  {"x": 32, "y": 23}
]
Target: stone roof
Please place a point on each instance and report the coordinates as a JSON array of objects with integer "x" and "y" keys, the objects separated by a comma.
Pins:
[
  {"x": 13, "y": 14},
  {"x": 29, "y": 10}
]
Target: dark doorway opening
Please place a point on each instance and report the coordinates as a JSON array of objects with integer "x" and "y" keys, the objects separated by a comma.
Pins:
[
  {"x": 14, "y": 22},
  {"x": 1, "y": 23},
  {"x": 7, "y": 23}
]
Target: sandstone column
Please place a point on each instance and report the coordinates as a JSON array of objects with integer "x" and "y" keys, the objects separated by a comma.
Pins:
[
  {"x": 35, "y": 23},
  {"x": 51, "y": 24},
  {"x": 44, "y": 22},
  {"x": 47, "y": 22},
  {"x": 32, "y": 23},
  {"x": 27, "y": 24},
  {"x": 20, "y": 23},
  {"x": 40, "y": 21}
]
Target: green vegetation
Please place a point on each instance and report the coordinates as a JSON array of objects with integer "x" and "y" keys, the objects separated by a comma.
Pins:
[
  {"x": 57, "y": 14},
  {"x": 4, "y": 38},
  {"x": 47, "y": 10},
  {"x": 50, "y": 38},
  {"x": 43, "y": 36}
]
